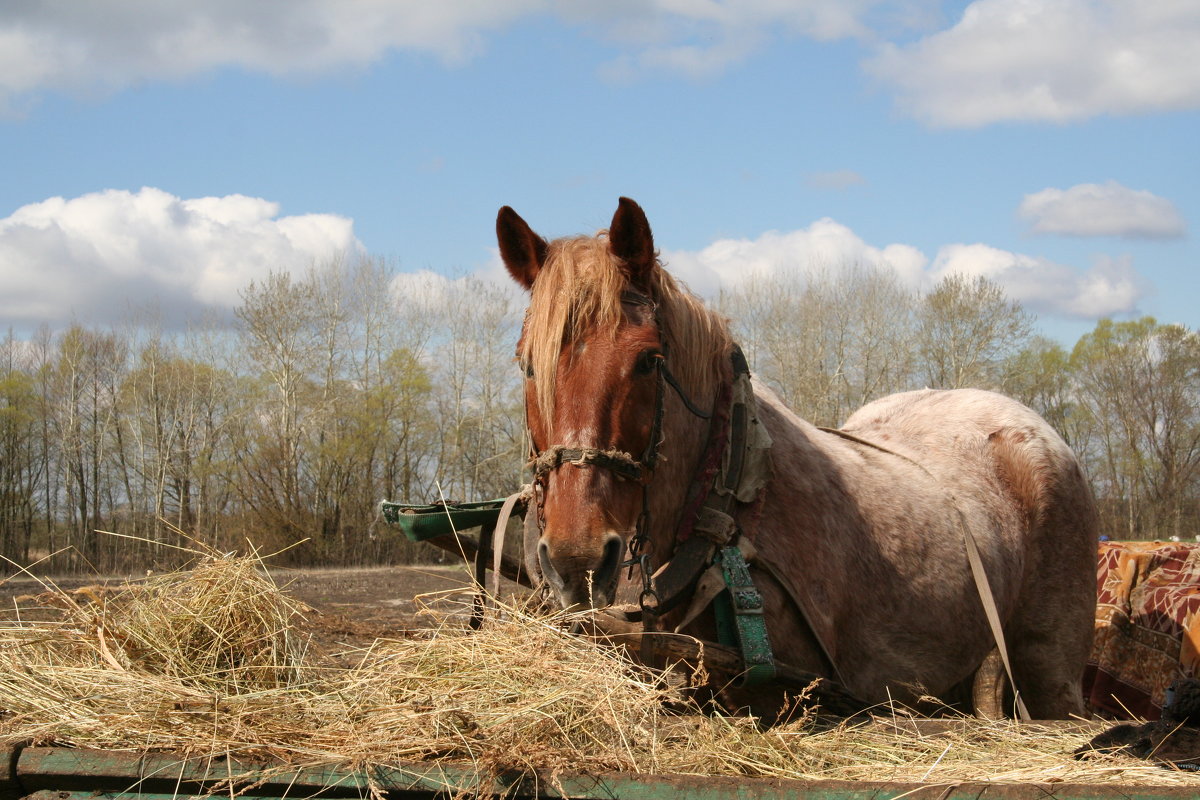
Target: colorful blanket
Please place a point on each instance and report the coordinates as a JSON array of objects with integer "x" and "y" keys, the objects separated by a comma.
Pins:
[{"x": 1147, "y": 626}]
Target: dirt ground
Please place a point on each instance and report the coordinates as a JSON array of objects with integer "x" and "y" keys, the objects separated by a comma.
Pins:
[{"x": 354, "y": 606}]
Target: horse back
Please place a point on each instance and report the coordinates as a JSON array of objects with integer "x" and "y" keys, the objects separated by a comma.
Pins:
[{"x": 949, "y": 431}]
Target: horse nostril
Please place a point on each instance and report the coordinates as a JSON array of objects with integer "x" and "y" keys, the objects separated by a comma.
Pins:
[
  {"x": 610, "y": 561},
  {"x": 548, "y": 570}
]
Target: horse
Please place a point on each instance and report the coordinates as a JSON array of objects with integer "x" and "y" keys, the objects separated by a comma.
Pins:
[{"x": 859, "y": 540}]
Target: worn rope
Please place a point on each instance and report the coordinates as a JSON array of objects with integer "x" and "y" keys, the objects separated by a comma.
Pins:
[{"x": 617, "y": 461}]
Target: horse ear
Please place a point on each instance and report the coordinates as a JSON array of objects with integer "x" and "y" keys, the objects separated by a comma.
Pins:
[
  {"x": 522, "y": 250},
  {"x": 630, "y": 239}
]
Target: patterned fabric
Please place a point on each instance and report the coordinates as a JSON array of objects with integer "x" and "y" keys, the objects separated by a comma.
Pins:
[{"x": 1147, "y": 626}]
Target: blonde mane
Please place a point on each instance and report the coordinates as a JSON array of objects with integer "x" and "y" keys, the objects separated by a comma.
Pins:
[{"x": 578, "y": 291}]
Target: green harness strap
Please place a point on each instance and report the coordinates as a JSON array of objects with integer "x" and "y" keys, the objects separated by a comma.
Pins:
[{"x": 739, "y": 614}]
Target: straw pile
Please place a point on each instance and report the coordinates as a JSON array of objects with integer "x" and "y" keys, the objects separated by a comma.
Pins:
[{"x": 218, "y": 661}]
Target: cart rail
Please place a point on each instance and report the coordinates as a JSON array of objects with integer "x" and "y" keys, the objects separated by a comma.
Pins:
[{"x": 59, "y": 773}]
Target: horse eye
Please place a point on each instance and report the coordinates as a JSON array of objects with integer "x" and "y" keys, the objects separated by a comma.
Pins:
[
  {"x": 647, "y": 360},
  {"x": 527, "y": 368}
]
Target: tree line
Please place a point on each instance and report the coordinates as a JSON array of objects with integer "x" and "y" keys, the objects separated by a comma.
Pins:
[
  {"x": 1125, "y": 397},
  {"x": 332, "y": 391}
]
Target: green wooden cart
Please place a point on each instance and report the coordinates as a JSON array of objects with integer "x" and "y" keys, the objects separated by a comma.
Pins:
[{"x": 59, "y": 773}]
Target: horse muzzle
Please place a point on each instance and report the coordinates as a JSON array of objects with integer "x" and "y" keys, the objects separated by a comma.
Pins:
[{"x": 585, "y": 579}]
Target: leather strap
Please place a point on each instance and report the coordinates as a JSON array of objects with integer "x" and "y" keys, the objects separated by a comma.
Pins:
[
  {"x": 673, "y": 582},
  {"x": 739, "y": 616},
  {"x": 711, "y": 584},
  {"x": 989, "y": 607},
  {"x": 521, "y": 496}
]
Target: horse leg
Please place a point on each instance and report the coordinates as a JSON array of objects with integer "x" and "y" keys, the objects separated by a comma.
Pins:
[
  {"x": 1049, "y": 632},
  {"x": 1050, "y": 635}
]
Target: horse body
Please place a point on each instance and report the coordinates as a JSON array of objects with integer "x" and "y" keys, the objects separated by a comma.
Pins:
[
  {"x": 862, "y": 559},
  {"x": 872, "y": 534}
]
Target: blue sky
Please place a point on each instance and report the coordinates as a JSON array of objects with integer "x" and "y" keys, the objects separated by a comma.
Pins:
[{"x": 169, "y": 153}]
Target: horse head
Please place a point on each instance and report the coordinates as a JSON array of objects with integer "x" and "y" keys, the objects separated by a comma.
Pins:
[{"x": 592, "y": 347}]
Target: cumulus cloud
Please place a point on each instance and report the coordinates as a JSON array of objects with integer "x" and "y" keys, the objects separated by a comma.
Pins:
[
  {"x": 106, "y": 46},
  {"x": 89, "y": 46},
  {"x": 1004, "y": 60},
  {"x": 824, "y": 245},
  {"x": 698, "y": 39},
  {"x": 1110, "y": 286},
  {"x": 94, "y": 256},
  {"x": 1108, "y": 209},
  {"x": 1055, "y": 60},
  {"x": 430, "y": 290}
]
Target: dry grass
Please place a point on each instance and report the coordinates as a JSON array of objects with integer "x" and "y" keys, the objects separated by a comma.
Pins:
[{"x": 217, "y": 660}]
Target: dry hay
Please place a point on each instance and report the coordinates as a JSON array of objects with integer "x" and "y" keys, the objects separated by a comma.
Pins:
[{"x": 218, "y": 661}]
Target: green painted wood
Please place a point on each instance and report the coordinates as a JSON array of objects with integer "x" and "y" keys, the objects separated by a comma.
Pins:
[
  {"x": 10, "y": 787},
  {"x": 65, "y": 774},
  {"x": 422, "y": 522}
]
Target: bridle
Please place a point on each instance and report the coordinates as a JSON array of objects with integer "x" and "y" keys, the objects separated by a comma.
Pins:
[
  {"x": 622, "y": 464},
  {"x": 708, "y": 540}
]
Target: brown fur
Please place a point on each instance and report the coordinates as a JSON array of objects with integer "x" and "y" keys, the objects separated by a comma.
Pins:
[{"x": 868, "y": 537}]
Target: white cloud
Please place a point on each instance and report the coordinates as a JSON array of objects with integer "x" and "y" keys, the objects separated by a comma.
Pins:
[
  {"x": 1004, "y": 60},
  {"x": 1110, "y": 287},
  {"x": 93, "y": 256},
  {"x": 1108, "y": 209},
  {"x": 825, "y": 244},
  {"x": 425, "y": 288},
  {"x": 429, "y": 293},
  {"x": 1056, "y": 60},
  {"x": 700, "y": 38},
  {"x": 105, "y": 46}
]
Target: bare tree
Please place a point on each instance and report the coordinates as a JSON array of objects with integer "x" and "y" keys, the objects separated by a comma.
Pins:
[
  {"x": 175, "y": 426},
  {"x": 85, "y": 380},
  {"x": 282, "y": 337},
  {"x": 477, "y": 384},
  {"x": 966, "y": 329},
  {"x": 828, "y": 341}
]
